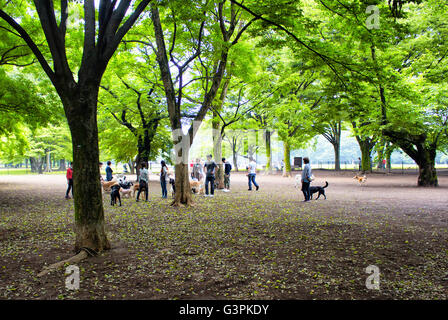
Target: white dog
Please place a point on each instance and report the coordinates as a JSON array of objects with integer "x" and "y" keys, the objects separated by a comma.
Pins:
[{"x": 298, "y": 181}]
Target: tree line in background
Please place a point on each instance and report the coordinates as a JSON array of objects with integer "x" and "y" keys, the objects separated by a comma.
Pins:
[{"x": 133, "y": 80}]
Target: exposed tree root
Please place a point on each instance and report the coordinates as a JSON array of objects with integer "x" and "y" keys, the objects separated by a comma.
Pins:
[
  {"x": 178, "y": 204},
  {"x": 83, "y": 254}
]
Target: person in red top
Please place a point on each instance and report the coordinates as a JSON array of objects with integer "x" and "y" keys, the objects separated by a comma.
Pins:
[{"x": 69, "y": 181}]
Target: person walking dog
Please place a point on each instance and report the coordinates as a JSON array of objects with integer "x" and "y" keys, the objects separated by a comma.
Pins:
[{"x": 306, "y": 179}]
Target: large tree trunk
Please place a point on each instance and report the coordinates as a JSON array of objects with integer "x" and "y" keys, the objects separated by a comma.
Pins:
[
  {"x": 366, "y": 165},
  {"x": 48, "y": 162},
  {"x": 144, "y": 150},
  {"x": 137, "y": 165},
  {"x": 217, "y": 135},
  {"x": 427, "y": 174},
  {"x": 220, "y": 170},
  {"x": 32, "y": 164},
  {"x": 422, "y": 152},
  {"x": 131, "y": 166},
  {"x": 337, "y": 156},
  {"x": 287, "y": 159},
  {"x": 174, "y": 99},
  {"x": 366, "y": 146},
  {"x": 147, "y": 140},
  {"x": 268, "y": 169},
  {"x": 89, "y": 213},
  {"x": 235, "y": 157},
  {"x": 337, "y": 146},
  {"x": 217, "y": 151},
  {"x": 183, "y": 190},
  {"x": 40, "y": 165},
  {"x": 389, "y": 160},
  {"x": 36, "y": 164},
  {"x": 380, "y": 156},
  {"x": 80, "y": 98}
]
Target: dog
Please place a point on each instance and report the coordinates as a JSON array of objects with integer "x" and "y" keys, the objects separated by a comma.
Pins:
[
  {"x": 321, "y": 191},
  {"x": 135, "y": 188},
  {"x": 360, "y": 179},
  {"x": 196, "y": 187},
  {"x": 126, "y": 192},
  {"x": 115, "y": 194},
  {"x": 297, "y": 181},
  {"x": 107, "y": 185},
  {"x": 125, "y": 187},
  {"x": 173, "y": 187},
  {"x": 125, "y": 184}
]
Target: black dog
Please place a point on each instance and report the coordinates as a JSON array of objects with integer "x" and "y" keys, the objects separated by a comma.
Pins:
[
  {"x": 173, "y": 186},
  {"x": 114, "y": 195},
  {"x": 321, "y": 191},
  {"x": 125, "y": 184}
]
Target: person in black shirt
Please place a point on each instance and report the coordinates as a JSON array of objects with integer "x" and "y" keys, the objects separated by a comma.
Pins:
[
  {"x": 210, "y": 167},
  {"x": 227, "y": 169}
]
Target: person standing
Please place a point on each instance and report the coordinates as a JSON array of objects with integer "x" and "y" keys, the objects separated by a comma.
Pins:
[
  {"x": 143, "y": 182},
  {"x": 100, "y": 167},
  {"x": 252, "y": 172},
  {"x": 360, "y": 163},
  {"x": 227, "y": 169},
  {"x": 163, "y": 176},
  {"x": 306, "y": 179},
  {"x": 197, "y": 172},
  {"x": 69, "y": 177},
  {"x": 210, "y": 167},
  {"x": 109, "y": 171}
]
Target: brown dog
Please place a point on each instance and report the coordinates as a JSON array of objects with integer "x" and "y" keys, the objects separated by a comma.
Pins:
[
  {"x": 107, "y": 185},
  {"x": 135, "y": 188},
  {"x": 126, "y": 192},
  {"x": 196, "y": 187},
  {"x": 361, "y": 179}
]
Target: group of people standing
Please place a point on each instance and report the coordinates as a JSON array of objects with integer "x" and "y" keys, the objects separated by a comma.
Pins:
[
  {"x": 198, "y": 171},
  {"x": 208, "y": 169}
]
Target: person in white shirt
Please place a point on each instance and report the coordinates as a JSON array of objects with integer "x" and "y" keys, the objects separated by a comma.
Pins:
[
  {"x": 143, "y": 182},
  {"x": 252, "y": 172}
]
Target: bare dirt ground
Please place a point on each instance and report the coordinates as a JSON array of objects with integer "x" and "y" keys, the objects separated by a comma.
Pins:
[{"x": 264, "y": 244}]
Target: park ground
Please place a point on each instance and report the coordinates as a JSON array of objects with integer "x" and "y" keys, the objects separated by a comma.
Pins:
[{"x": 264, "y": 244}]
